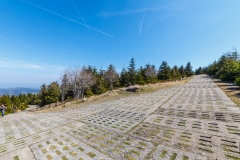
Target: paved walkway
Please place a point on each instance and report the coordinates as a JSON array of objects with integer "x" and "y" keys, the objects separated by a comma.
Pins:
[{"x": 192, "y": 121}]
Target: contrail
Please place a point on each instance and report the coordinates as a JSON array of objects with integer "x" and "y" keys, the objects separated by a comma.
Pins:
[
  {"x": 16, "y": 42},
  {"x": 68, "y": 19},
  {"x": 141, "y": 23},
  {"x": 80, "y": 15},
  {"x": 85, "y": 22}
]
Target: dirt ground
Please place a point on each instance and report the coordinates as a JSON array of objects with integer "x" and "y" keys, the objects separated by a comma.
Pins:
[
  {"x": 230, "y": 89},
  {"x": 115, "y": 95}
]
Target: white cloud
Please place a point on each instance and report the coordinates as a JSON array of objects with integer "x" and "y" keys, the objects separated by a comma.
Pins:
[
  {"x": 22, "y": 73},
  {"x": 22, "y": 65},
  {"x": 34, "y": 66}
]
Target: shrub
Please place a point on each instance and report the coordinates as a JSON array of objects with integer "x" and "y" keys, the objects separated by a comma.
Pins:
[{"x": 237, "y": 81}]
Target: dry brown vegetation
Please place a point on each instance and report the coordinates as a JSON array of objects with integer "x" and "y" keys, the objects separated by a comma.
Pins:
[
  {"x": 115, "y": 95},
  {"x": 230, "y": 89}
]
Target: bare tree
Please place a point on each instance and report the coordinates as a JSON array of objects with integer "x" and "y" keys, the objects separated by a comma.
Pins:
[
  {"x": 80, "y": 79},
  {"x": 64, "y": 84},
  {"x": 111, "y": 76},
  {"x": 150, "y": 70},
  {"x": 86, "y": 79},
  {"x": 72, "y": 73}
]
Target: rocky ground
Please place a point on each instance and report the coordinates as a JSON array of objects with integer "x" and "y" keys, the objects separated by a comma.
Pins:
[{"x": 190, "y": 121}]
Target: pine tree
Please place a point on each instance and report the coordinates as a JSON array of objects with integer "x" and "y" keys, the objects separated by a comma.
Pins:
[
  {"x": 52, "y": 93},
  {"x": 100, "y": 86},
  {"x": 164, "y": 72},
  {"x": 132, "y": 72},
  {"x": 199, "y": 71},
  {"x": 140, "y": 76},
  {"x": 181, "y": 71},
  {"x": 175, "y": 73},
  {"x": 124, "y": 77},
  {"x": 15, "y": 101},
  {"x": 42, "y": 95},
  {"x": 188, "y": 70}
]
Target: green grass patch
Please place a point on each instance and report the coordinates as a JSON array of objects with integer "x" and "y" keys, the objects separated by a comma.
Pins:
[
  {"x": 65, "y": 148},
  {"x": 52, "y": 147},
  {"x": 185, "y": 158},
  {"x": 67, "y": 140},
  {"x": 164, "y": 152},
  {"x": 60, "y": 143},
  {"x": 120, "y": 146},
  {"x": 104, "y": 145},
  {"x": 57, "y": 152},
  {"x": 44, "y": 150},
  {"x": 91, "y": 154},
  {"x": 142, "y": 143},
  {"x": 205, "y": 150},
  {"x": 74, "y": 144},
  {"x": 74, "y": 154},
  {"x": 135, "y": 152},
  {"x": 81, "y": 149},
  {"x": 173, "y": 156},
  {"x": 16, "y": 158},
  {"x": 184, "y": 144},
  {"x": 64, "y": 158},
  {"x": 184, "y": 140},
  {"x": 40, "y": 146},
  {"x": 49, "y": 157},
  {"x": 232, "y": 157},
  {"x": 129, "y": 157},
  {"x": 116, "y": 151}
]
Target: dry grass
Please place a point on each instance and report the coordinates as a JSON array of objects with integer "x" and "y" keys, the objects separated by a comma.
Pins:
[
  {"x": 116, "y": 95},
  {"x": 230, "y": 89}
]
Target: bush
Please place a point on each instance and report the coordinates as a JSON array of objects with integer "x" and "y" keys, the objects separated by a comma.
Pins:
[{"x": 237, "y": 81}]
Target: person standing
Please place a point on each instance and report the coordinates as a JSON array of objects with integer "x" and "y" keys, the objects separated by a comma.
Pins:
[{"x": 3, "y": 109}]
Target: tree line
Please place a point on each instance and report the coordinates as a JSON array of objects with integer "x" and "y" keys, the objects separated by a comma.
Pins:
[
  {"x": 77, "y": 82},
  {"x": 21, "y": 101},
  {"x": 226, "y": 68}
]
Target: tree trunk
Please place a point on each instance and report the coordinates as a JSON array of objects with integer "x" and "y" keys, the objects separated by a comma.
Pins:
[
  {"x": 111, "y": 86},
  {"x": 82, "y": 93},
  {"x": 63, "y": 96}
]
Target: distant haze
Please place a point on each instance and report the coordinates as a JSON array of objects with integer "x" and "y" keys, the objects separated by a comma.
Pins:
[{"x": 17, "y": 91}]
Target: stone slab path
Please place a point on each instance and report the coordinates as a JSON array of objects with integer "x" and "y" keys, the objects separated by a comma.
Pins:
[{"x": 195, "y": 121}]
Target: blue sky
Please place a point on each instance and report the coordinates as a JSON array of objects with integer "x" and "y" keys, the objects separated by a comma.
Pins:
[{"x": 40, "y": 38}]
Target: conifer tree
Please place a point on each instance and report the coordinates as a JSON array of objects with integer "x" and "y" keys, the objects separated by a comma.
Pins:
[
  {"x": 15, "y": 101},
  {"x": 53, "y": 93},
  {"x": 42, "y": 95},
  {"x": 164, "y": 72},
  {"x": 199, "y": 71},
  {"x": 188, "y": 70},
  {"x": 100, "y": 86},
  {"x": 181, "y": 71},
  {"x": 124, "y": 77},
  {"x": 132, "y": 72},
  {"x": 140, "y": 76},
  {"x": 175, "y": 73}
]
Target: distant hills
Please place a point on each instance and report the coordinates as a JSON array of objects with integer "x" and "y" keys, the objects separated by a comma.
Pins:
[{"x": 17, "y": 91}]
